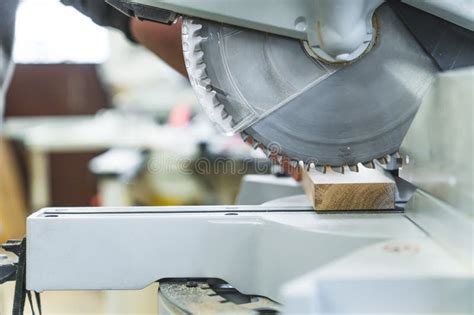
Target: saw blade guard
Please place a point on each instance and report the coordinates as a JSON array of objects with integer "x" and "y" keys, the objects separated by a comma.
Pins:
[{"x": 238, "y": 95}]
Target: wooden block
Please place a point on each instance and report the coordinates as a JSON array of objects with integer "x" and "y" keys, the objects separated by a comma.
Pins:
[{"x": 369, "y": 189}]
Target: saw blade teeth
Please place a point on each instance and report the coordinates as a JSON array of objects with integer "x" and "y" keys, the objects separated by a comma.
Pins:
[
  {"x": 255, "y": 145},
  {"x": 293, "y": 163},
  {"x": 248, "y": 139},
  {"x": 185, "y": 47},
  {"x": 369, "y": 164},
  {"x": 221, "y": 111},
  {"x": 244, "y": 136},
  {"x": 396, "y": 155},
  {"x": 382, "y": 160},
  {"x": 204, "y": 83},
  {"x": 211, "y": 99},
  {"x": 196, "y": 67},
  {"x": 354, "y": 168},
  {"x": 198, "y": 50},
  {"x": 397, "y": 159},
  {"x": 265, "y": 151},
  {"x": 224, "y": 114},
  {"x": 192, "y": 26},
  {"x": 215, "y": 102},
  {"x": 201, "y": 73},
  {"x": 278, "y": 157},
  {"x": 185, "y": 30},
  {"x": 200, "y": 55},
  {"x": 321, "y": 169},
  {"x": 308, "y": 165},
  {"x": 228, "y": 121},
  {"x": 211, "y": 91},
  {"x": 338, "y": 169}
]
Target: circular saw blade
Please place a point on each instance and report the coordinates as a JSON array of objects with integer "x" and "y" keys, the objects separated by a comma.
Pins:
[{"x": 332, "y": 115}]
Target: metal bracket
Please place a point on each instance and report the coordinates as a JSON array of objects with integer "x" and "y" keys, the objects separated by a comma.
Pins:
[
  {"x": 144, "y": 12},
  {"x": 192, "y": 296},
  {"x": 335, "y": 30}
]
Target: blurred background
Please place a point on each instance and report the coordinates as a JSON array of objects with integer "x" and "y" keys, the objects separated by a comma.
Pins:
[{"x": 93, "y": 120}]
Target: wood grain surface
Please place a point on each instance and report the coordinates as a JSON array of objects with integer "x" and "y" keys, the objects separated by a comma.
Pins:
[{"x": 368, "y": 189}]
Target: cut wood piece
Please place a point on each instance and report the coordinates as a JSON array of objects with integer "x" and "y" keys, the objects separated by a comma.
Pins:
[{"x": 369, "y": 189}]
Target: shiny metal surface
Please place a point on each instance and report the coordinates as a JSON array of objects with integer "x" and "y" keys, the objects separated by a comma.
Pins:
[
  {"x": 250, "y": 247},
  {"x": 257, "y": 189},
  {"x": 447, "y": 225},
  {"x": 312, "y": 263},
  {"x": 439, "y": 143}
]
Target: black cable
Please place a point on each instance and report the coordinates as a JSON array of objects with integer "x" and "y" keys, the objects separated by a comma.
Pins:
[
  {"x": 30, "y": 300},
  {"x": 20, "y": 285},
  {"x": 38, "y": 302}
]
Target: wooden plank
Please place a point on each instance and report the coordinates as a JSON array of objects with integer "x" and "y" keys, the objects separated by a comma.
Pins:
[{"x": 368, "y": 189}]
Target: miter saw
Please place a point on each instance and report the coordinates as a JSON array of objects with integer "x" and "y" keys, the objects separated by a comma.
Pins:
[{"x": 313, "y": 83}]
